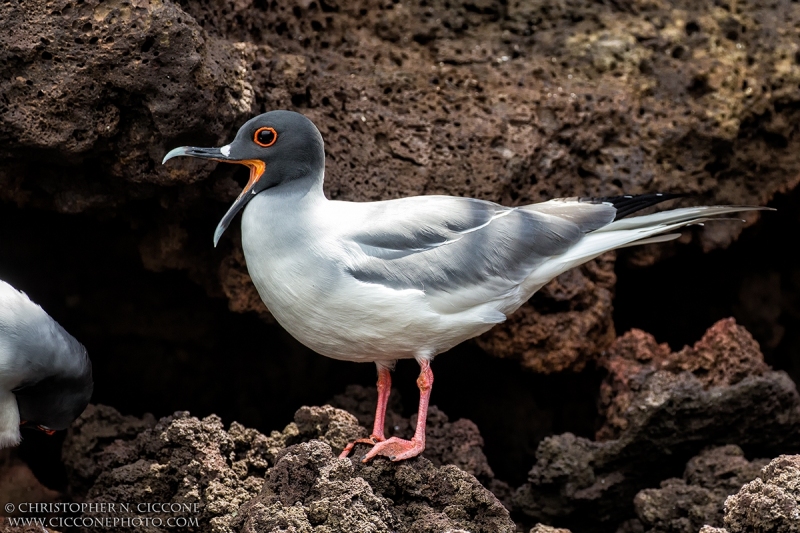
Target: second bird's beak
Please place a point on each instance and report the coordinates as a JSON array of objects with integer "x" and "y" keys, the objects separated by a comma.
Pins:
[
  {"x": 43, "y": 429},
  {"x": 257, "y": 168}
]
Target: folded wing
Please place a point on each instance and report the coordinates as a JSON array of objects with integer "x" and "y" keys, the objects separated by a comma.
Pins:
[{"x": 463, "y": 252}]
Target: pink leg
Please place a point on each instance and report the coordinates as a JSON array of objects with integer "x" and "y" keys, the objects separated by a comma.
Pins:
[
  {"x": 384, "y": 388},
  {"x": 398, "y": 449}
]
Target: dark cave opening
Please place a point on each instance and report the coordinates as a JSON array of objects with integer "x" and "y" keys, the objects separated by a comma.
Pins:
[
  {"x": 159, "y": 344},
  {"x": 756, "y": 280}
]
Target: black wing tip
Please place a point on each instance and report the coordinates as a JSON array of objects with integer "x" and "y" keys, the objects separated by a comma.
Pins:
[{"x": 627, "y": 204}]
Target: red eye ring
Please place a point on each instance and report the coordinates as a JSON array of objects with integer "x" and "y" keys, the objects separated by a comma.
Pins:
[{"x": 270, "y": 141}]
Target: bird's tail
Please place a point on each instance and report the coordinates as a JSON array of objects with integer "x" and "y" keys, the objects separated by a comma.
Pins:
[{"x": 644, "y": 229}]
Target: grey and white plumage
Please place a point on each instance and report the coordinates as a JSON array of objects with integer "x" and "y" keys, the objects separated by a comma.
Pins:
[
  {"x": 405, "y": 278},
  {"x": 413, "y": 277},
  {"x": 45, "y": 373}
]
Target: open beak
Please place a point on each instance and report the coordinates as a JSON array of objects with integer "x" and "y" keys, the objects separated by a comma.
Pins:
[{"x": 257, "y": 168}]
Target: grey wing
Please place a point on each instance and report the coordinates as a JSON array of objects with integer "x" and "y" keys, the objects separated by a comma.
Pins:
[{"x": 463, "y": 252}]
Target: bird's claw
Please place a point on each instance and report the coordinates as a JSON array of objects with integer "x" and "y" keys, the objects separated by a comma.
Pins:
[
  {"x": 371, "y": 440},
  {"x": 395, "y": 449}
]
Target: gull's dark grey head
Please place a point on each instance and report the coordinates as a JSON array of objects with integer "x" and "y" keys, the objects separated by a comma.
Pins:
[
  {"x": 59, "y": 381},
  {"x": 56, "y": 401},
  {"x": 278, "y": 146}
]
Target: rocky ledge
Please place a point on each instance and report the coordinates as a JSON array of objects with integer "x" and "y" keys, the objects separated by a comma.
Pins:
[
  {"x": 241, "y": 480},
  {"x": 692, "y": 411}
]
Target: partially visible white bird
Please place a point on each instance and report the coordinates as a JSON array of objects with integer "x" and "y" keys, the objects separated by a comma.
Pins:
[
  {"x": 406, "y": 278},
  {"x": 45, "y": 374}
]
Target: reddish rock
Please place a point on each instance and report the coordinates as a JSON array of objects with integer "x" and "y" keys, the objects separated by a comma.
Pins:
[
  {"x": 725, "y": 355},
  {"x": 662, "y": 409}
]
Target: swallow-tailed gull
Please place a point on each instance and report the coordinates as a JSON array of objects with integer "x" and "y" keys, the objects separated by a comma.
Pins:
[{"x": 406, "y": 278}]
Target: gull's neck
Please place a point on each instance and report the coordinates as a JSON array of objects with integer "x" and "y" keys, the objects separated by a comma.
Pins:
[{"x": 305, "y": 190}]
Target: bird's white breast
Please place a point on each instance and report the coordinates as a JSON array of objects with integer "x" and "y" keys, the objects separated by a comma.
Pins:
[{"x": 297, "y": 258}]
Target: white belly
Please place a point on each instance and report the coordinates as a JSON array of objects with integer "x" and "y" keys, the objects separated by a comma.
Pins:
[{"x": 301, "y": 280}]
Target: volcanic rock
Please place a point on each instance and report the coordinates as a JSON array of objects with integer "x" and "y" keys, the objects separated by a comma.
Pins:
[
  {"x": 241, "y": 480},
  {"x": 769, "y": 503},
  {"x": 670, "y": 406},
  {"x": 686, "y": 505}
]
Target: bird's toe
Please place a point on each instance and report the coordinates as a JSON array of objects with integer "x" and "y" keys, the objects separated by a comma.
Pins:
[
  {"x": 371, "y": 440},
  {"x": 395, "y": 449}
]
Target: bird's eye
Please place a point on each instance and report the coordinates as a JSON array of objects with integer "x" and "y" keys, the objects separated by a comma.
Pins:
[{"x": 265, "y": 137}]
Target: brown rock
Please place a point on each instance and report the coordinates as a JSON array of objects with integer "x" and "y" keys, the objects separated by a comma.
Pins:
[
  {"x": 458, "y": 443},
  {"x": 91, "y": 76},
  {"x": 541, "y": 528},
  {"x": 725, "y": 355},
  {"x": 6, "y": 527},
  {"x": 97, "y": 439},
  {"x": 309, "y": 488},
  {"x": 685, "y": 505},
  {"x": 669, "y": 414},
  {"x": 769, "y": 503},
  {"x": 181, "y": 459}
]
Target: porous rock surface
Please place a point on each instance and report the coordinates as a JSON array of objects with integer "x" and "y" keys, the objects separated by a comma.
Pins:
[
  {"x": 725, "y": 356},
  {"x": 670, "y": 407},
  {"x": 309, "y": 488},
  {"x": 459, "y": 443},
  {"x": 506, "y": 101},
  {"x": 770, "y": 503},
  {"x": 541, "y": 528},
  {"x": 685, "y": 505},
  {"x": 242, "y": 480}
]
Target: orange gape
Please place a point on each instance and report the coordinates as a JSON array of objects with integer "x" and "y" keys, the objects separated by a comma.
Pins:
[{"x": 257, "y": 168}]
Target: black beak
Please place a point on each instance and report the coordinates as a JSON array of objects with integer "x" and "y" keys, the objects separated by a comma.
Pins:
[
  {"x": 257, "y": 168},
  {"x": 214, "y": 154}
]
